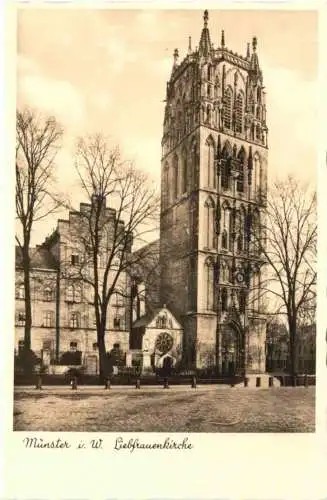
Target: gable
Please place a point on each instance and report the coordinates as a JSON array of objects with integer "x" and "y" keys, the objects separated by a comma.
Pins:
[{"x": 163, "y": 318}]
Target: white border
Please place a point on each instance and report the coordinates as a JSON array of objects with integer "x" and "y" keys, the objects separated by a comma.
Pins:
[{"x": 222, "y": 465}]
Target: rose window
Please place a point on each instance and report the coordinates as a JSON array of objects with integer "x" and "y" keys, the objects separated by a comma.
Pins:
[{"x": 164, "y": 342}]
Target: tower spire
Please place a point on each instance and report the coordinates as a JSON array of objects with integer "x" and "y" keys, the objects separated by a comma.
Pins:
[
  {"x": 176, "y": 56},
  {"x": 205, "y": 42},
  {"x": 189, "y": 45},
  {"x": 248, "y": 51},
  {"x": 222, "y": 42},
  {"x": 254, "y": 63}
]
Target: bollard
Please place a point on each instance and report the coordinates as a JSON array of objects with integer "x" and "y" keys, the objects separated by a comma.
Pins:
[
  {"x": 193, "y": 382},
  {"x": 271, "y": 381},
  {"x": 306, "y": 381},
  {"x": 166, "y": 386},
  {"x": 294, "y": 381},
  {"x": 246, "y": 382},
  {"x": 107, "y": 384},
  {"x": 232, "y": 384},
  {"x": 138, "y": 384},
  {"x": 74, "y": 383},
  {"x": 38, "y": 383},
  {"x": 258, "y": 382}
]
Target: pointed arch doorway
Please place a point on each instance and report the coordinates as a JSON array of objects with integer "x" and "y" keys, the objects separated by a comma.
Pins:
[{"x": 231, "y": 350}]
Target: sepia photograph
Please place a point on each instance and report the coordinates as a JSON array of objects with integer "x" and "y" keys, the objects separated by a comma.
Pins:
[{"x": 166, "y": 221}]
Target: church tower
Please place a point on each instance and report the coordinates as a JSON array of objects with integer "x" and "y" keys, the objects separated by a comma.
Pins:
[{"x": 214, "y": 185}]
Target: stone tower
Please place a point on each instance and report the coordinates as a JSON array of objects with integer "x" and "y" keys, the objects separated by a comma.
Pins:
[{"x": 214, "y": 183}]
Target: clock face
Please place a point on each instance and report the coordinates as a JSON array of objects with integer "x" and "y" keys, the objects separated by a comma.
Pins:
[
  {"x": 240, "y": 277},
  {"x": 164, "y": 342}
]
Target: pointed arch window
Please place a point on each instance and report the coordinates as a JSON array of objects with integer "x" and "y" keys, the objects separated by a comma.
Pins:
[
  {"x": 210, "y": 163},
  {"x": 226, "y": 225},
  {"x": 224, "y": 239},
  {"x": 225, "y": 174},
  {"x": 209, "y": 72},
  {"x": 224, "y": 300},
  {"x": 193, "y": 163},
  {"x": 183, "y": 172},
  {"x": 209, "y": 285},
  {"x": 257, "y": 132},
  {"x": 256, "y": 231},
  {"x": 256, "y": 176},
  {"x": 239, "y": 114},
  {"x": 256, "y": 291},
  {"x": 166, "y": 185},
  {"x": 175, "y": 178},
  {"x": 209, "y": 222},
  {"x": 228, "y": 95},
  {"x": 251, "y": 102},
  {"x": 240, "y": 243},
  {"x": 241, "y": 301},
  {"x": 224, "y": 272},
  {"x": 240, "y": 179}
]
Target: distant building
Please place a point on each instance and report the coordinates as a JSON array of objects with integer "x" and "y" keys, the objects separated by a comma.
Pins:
[{"x": 277, "y": 349}]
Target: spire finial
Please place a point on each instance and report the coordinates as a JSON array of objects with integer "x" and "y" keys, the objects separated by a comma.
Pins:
[
  {"x": 222, "y": 43},
  {"x": 189, "y": 45},
  {"x": 205, "y": 46},
  {"x": 205, "y": 18},
  {"x": 254, "y": 43},
  {"x": 248, "y": 51},
  {"x": 176, "y": 56}
]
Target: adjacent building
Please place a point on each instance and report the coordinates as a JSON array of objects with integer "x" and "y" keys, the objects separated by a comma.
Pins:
[{"x": 63, "y": 313}]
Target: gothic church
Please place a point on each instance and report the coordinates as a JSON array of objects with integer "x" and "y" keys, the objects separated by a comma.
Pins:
[{"x": 213, "y": 198}]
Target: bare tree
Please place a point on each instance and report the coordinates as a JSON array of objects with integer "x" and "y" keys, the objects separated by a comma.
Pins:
[
  {"x": 290, "y": 231},
  {"x": 37, "y": 143},
  {"x": 106, "y": 234}
]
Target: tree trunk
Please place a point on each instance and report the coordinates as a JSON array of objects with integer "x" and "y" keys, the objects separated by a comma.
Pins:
[
  {"x": 104, "y": 365},
  {"x": 28, "y": 306},
  {"x": 292, "y": 333}
]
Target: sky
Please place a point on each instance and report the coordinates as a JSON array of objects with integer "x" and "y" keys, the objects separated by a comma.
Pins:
[{"x": 105, "y": 70}]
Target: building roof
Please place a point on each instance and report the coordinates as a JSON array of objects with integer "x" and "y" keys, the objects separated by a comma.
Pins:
[
  {"x": 146, "y": 319},
  {"x": 41, "y": 258}
]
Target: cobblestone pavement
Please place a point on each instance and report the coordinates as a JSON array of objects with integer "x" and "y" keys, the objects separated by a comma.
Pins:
[{"x": 153, "y": 409}]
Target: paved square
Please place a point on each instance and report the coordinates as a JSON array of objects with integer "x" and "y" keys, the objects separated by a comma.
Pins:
[{"x": 178, "y": 409}]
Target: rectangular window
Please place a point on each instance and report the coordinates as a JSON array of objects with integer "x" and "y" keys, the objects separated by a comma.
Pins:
[
  {"x": 20, "y": 292},
  {"x": 48, "y": 294},
  {"x": 74, "y": 320},
  {"x": 116, "y": 322},
  {"x": 48, "y": 319},
  {"x": 95, "y": 346},
  {"x": 21, "y": 318},
  {"x": 47, "y": 345},
  {"x": 75, "y": 260}
]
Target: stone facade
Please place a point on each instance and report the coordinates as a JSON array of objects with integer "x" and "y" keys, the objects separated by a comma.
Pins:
[
  {"x": 63, "y": 317},
  {"x": 214, "y": 183},
  {"x": 158, "y": 335}
]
